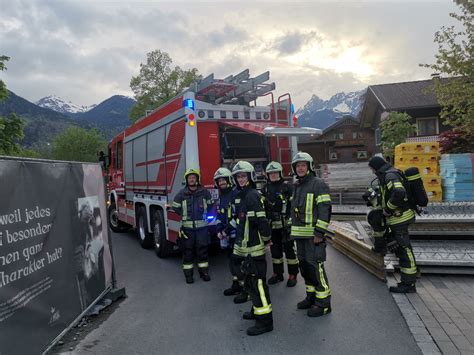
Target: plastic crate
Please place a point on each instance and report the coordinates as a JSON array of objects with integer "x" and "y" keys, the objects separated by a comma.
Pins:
[
  {"x": 418, "y": 148},
  {"x": 434, "y": 194},
  {"x": 430, "y": 169},
  {"x": 415, "y": 159},
  {"x": 431, "y": 181}
]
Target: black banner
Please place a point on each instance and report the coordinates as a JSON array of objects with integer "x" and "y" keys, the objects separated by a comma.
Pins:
[{"x": 55, "y": 258}]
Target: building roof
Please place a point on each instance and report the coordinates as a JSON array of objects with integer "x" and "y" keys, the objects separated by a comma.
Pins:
[
  {"x": 341, "y": 121},
  {"x": 407, "y": 95}
]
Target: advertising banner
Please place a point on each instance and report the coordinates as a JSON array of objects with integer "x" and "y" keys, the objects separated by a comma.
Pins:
[{"x": 55, "y": 258}]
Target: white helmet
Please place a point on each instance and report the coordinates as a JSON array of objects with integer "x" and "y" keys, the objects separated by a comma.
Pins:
[{"x": 302, "y": 156}]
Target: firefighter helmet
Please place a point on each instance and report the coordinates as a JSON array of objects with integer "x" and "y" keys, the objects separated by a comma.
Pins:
[
  {"x": 223, "y": 173},
  {"x": 192, "y": 171},
  {"x": 274, "y": 167},
  {"x": 302, "y": 156},
  {"x": 244, "y": 167}
]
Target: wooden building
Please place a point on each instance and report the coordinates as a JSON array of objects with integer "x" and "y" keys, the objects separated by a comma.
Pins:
[
  {"x": 414, "y": 98},
  {"x": 342, "y": 142}
]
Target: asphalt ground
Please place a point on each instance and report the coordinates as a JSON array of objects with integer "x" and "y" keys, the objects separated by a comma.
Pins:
[{"x": 164, "y": 315}]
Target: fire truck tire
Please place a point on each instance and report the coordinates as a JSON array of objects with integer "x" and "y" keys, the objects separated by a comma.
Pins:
[
  {"x": 163, "y": 247},
  {"x": 115, "y": 224},
  {"x": 144, "y": 237}
]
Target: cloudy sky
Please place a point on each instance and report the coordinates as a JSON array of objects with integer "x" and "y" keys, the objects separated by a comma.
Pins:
[{"x": 87, "y": 50}]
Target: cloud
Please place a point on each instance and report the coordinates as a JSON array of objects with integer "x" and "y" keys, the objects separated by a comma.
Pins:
[
  {"x": 87, "y": 51},
  {"x": 291, "y": 43}
]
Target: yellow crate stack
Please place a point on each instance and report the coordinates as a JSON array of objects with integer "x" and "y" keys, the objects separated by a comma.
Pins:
[{"x": 425, "y": 156}]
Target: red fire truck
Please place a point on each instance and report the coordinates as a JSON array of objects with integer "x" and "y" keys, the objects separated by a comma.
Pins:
[{"x": 214, "y": 123}]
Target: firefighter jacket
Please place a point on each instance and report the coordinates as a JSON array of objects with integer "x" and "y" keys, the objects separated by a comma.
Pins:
[
  {"x": 277, "y": 197},
  {"x": 252, "y": 227},
  {"x": 193, "y": 207},
  {"x": 310, "y": 208},
  {"x": 394, "y": 198},
  {"x": 225, "y": 211}
]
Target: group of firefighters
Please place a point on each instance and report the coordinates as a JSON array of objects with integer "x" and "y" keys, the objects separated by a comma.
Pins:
[{"x": 293, "y": 220}]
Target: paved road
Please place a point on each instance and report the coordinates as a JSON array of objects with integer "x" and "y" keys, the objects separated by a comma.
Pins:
[{"x": 163, "y": 315}]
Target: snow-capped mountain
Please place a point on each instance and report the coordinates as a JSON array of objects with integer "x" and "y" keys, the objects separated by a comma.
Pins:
[
  {"x": 321, "y": 113},
  {"x": 58, "y": 104}
]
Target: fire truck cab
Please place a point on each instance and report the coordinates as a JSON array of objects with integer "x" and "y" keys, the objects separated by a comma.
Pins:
[{"x": 214, "y": 123}]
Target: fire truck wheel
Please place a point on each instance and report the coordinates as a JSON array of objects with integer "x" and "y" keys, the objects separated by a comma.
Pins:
[
  {"x": 145, "y": 238},
  {"x": 162, "y": 246},
  {"x": 115, "y": 224}
]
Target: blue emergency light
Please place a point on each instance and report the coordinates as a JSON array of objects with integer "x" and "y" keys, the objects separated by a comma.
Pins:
[
  {"x": 188, "y": 103},
  {"x": 292, "y": 108}
]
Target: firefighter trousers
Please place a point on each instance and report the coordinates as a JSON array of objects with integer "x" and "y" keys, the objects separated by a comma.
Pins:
[
  {"x": 311, "y": 259},
  {"x": 236, "y": 270},
  {"x": 280, "y": 244},
  {"x": 255, "y": 284},
  {"x": 195, "y": 248},
  {"x": 404, "y": 252}
]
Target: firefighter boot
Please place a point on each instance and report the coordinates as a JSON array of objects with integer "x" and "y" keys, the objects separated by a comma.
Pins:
[
  {"x": 403, "y": 288},
  {"x": 234, "y": 289},
  {"x": 188, "y": 274},
  {"x": 241, "y": 298},
  {"x": 248, "y": 315},
  {"x": 291, "y": 281},
  {"x": 261, "y": 326},
  {"x": 203, "y": 273},
  {"x": 316, "y": 311},
  {"x": 189, "y": 279},
  {"x": 307, "y": 302},
  {"x": 275, "y": 278}
]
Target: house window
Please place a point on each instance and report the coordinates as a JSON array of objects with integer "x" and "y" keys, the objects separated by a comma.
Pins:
[
  {"x": 427, "y": 126},
  {"x": 361, "y": 154},
  {"x": 210, "y": 114},
  {"x": 338, "y": 136},
  {"x": 247, "y": 115},
  {"x": 356, "y": 135},
  {"x": 235, "y": 114},
  {"x": 223, "y": 114},
  {"x": 332, "y": 156},
  {"x": 378, "y": 136},
  {"x": 258, "y": 115}
]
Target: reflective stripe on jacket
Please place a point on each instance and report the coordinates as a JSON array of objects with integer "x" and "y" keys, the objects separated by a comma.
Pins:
[
  {"x": 193, "y": 207},
  {"x": 395, "y": 199},
  {"x": 277, "y": 197},
  {"x": 225, "y": 211},
  {"x": 252, "y": 227},
  {"x": 310, "y": 208}
]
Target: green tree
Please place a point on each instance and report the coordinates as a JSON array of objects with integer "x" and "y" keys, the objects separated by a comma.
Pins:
[
  {"x": 28, "y": 153},
  {"x": 78, "y": 144},
  {"x": 11, "y": 127},
  {"x": 158, "y": 82},
  {"x": 11, "y": 132},
  {"x": 3, "y": 87},
  {"x": 394, "y": 130},
  {"x": 455, "y": 59}
]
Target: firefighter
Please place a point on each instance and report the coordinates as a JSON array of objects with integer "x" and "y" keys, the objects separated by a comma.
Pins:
[
  {"x": 193, "y": 203},
  {"x": 277, "y": 194},
  {"x": 224, "y": 182},
  {"x": 252, "y": 233},
  {"x": 397, "y": 215},
  {"x": 310, "y": 217}
]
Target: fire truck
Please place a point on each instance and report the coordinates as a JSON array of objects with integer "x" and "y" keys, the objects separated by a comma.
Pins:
[{"x": 213, "y": 123}]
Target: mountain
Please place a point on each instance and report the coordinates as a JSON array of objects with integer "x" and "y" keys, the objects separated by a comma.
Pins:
[
  {"x": 42, "y": 124},
  {"x": 110, "y": 116},
  {"x": 319, "y": 113},
  {"x": 58, "y": 104}
]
